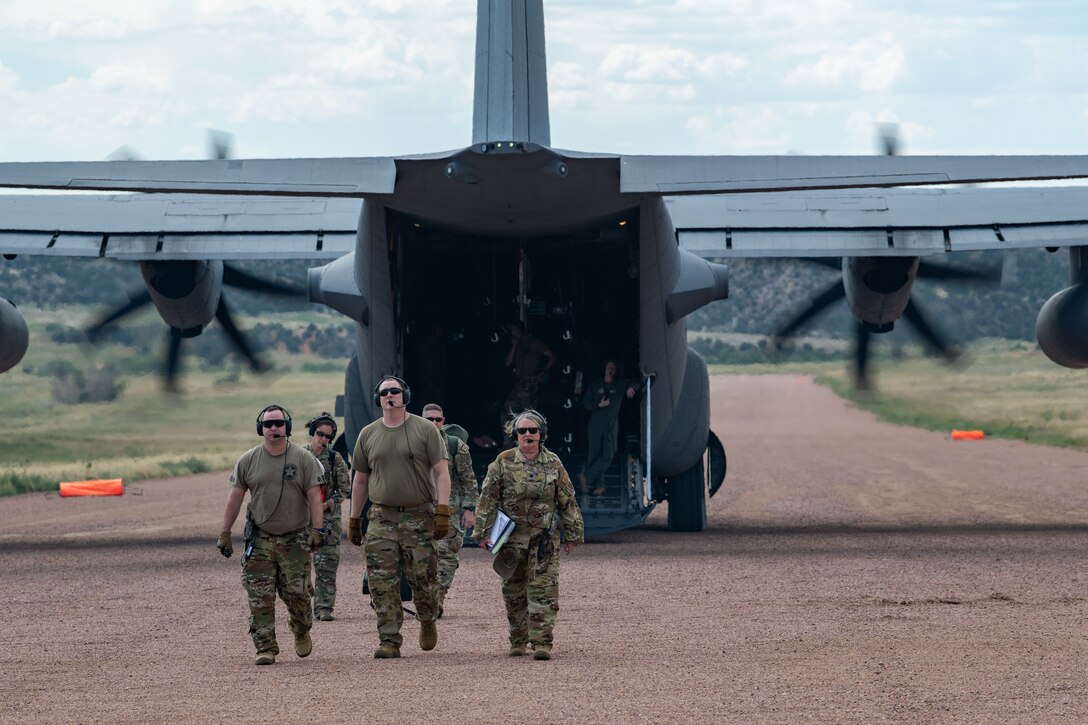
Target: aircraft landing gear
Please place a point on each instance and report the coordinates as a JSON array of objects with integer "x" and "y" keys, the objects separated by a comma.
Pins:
[{"x": 686, "y": 494}]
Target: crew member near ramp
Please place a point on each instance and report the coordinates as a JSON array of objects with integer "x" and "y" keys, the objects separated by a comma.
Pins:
[
  {"x": 283, "y": 526},
  {"x": 530, "y": 485},
  {"x": 463, "y": 495},
  {"x": 334, "y": 487},
  {"x": 400, "y": 464}
]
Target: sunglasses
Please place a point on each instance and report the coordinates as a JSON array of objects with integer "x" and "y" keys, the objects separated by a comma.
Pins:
[
  {"x": 389, "y": 391},
  {"x": 435, "y": 420},
  {"x": 273, "y": 423},
  {"x": 523, "y": 431},
  {"x": 322, "y": 434}
]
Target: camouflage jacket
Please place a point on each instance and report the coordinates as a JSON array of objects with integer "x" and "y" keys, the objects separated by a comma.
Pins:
[
  {"x": 463, "y": 490},
  {"x": 529, "y": 492},
  {"x": 335, "y": 484}
]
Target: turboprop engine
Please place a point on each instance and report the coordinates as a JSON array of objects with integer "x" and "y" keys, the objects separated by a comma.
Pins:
[
  {"x": 1062, "y": 325},
  {"x": 14, "y": 336},
  {"x": 878, "y": 289}
]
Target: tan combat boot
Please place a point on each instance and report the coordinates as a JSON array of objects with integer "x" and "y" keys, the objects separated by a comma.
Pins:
[
  {"x": 266, "y": 658},
  {"x": 387, "y": 652},
  {"x": 542, "y": 652},
  {"x": 303, "y": 645},
  {"x": 517, "y": 650},
  {"x": 428, "y": 636}
]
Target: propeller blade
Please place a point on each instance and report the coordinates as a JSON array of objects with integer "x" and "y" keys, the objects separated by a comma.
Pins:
[
  {"x": 124, "y": 153},
  {"x": 136, "y": 301},
  {"x": 889, "y": 138},
  {"x": 930, "y": 270},
  {"x": 861, "y": 357},
  {"x": 915, "y": 317},
  {"x": 832, "y": 294},
  {"x": 173, "y": 360},
  {"x": 242, "y": 280},
  {"x": 235, "y": 336},
  {"x": 220, "y": 144}
]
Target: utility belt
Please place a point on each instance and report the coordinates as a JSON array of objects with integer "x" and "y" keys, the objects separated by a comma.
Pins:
[{"x": 417, "y": 508}]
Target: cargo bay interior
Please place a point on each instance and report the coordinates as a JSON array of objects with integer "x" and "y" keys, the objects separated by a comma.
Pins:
[{"x": 457, "y": 297}]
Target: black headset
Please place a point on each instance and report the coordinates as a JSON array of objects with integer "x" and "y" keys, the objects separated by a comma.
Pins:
[
  {"x": 540, "y": 417},
  {"x": 322, "y": 419},
  {"x": 286, "y": 417},
  {"x": 403, "y": 386}
]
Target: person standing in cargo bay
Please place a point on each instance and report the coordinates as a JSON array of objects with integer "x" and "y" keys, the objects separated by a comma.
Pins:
[
  {"x": 400, "y": 465},
  {"x": 603, "y": 399},
  {"x": 524, "y": 358}
]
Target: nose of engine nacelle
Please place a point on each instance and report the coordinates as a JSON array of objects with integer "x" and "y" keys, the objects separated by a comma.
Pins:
[
  {"x": 1062, "y": 327},
  {"x": 14, "y": 336},
  {"x": 334, "y": 286}
]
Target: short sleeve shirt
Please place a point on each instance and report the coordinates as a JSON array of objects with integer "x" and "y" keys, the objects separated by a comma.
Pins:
[
  {"x": 399, "y": 461},
  {"x": 277, "y": 486}
]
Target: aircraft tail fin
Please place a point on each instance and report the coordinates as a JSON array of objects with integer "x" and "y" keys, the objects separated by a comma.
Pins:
[{"x": 511, "y": 93}]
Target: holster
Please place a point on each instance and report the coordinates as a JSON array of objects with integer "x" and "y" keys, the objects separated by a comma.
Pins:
[
  {"x": 249, "y": 533},
  {"x": 545, "y": 547}
]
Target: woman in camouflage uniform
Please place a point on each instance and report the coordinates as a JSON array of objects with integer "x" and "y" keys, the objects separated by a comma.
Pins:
[
  {"x": 334, "y": 488},
  {"x": 530, "y": 485}
]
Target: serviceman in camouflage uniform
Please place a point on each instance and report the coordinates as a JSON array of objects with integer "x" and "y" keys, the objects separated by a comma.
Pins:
[
  {"x": 400, "y": 464},
  {"x": 530, "y": 485},
  {"x": 463, "y": 496},
  {"x": 524, "y": 357},
  {"x": 334, "y": 488},
  {"x": 284, "y": 484}
]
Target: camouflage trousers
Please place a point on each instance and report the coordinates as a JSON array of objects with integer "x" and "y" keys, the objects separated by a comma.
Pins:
[
  {"x": 522, "y": 396},
  {"x": 532, "y": 596},
  {"x": 395, "y": 539},
  {"x": 449, "y": 550},
  {"x": 278, "y": 564},
  {"x": 326, "y": 562}
]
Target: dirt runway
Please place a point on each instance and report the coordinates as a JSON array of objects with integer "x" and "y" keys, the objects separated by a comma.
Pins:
[{"x": 852, "y": 572}]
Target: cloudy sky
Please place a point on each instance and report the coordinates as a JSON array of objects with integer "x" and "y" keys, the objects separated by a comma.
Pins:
[{"x": 80, "y": 78}]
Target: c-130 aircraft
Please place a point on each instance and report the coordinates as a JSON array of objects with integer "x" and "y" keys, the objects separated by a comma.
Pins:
[{"x": 598, "y": 254}]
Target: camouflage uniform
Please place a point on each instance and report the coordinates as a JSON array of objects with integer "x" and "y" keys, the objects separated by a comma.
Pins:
[
  {"x": 334, "y": 487},
  {"x": 604, "y": 427},
  {"x": 280, "y": 558},
  {"x": 463, "y": 496},
  {"x": 400, "y": 532},
  {"x": 530, "y": 493},
  {"x": 278, "y": 563},
  {"x": 399, "y": 541}
]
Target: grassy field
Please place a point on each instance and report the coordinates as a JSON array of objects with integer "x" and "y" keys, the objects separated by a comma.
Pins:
[{"x": 1007, "y": 389}]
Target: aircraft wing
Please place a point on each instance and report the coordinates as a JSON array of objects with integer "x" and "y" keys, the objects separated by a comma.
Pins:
[
  {"x": 880, "y": 222},
  {"x": 177, "y": 226},
  {"x": 675, "y": 175},
  {"x": 351, "y": 177}
]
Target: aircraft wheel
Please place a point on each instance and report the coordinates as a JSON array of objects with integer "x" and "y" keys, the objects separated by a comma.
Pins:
[{"x": 687, "y": 499}]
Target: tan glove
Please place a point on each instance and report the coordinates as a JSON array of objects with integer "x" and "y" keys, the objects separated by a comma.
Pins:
[
  {"x": 224, "y": 545},
  {"x": 355, "y": 531},
  {"x": 441, "y": 521},
  {"x": 316, "y": 539}
]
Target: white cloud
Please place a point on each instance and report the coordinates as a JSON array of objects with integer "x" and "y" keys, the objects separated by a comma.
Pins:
[
  {"x": 8, "y": 79},
  {"x": 873, "y": 64}
]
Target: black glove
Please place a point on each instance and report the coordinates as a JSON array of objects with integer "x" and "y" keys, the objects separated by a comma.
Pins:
[
  {"x": 355, "y": 531},
  {"x": 224, "y": 545}
]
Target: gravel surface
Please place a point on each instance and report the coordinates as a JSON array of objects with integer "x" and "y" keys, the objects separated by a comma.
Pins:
[{"x": 852, "y": 571}]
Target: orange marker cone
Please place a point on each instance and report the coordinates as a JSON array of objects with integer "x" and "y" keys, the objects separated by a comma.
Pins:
[
  {"x": 111, "y": 487},
  {"x": 967, "y": 435}
]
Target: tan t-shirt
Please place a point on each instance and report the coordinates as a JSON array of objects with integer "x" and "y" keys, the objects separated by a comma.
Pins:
[
  {"x": 277, "y": 486},
  {"x": 397, "y": 479}
]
